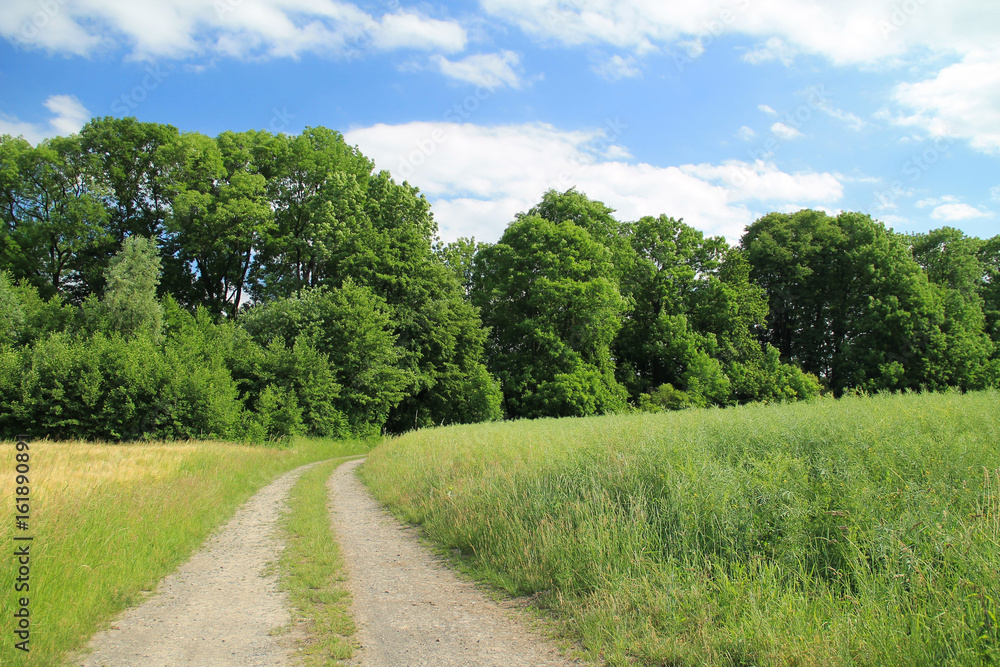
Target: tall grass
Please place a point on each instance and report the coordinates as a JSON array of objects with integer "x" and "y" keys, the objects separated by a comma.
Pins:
[
  {"x": 864, "y": 531},
  {"x": 109, "y": 521}
]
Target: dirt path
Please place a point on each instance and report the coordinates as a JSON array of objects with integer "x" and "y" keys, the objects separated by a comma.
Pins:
[
  {"x": 218, "y": 608},
  {"x": 412, "y": 611}
]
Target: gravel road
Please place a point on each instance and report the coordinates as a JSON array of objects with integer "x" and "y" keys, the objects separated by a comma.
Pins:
[
  {"x": 410, "y": 609},
  {"x": 222, "y": 607}
]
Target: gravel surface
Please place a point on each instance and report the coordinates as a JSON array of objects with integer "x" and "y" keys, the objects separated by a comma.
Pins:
[
  {"x": 222, "y": 607},
  {"x": 410, "y": 609}
]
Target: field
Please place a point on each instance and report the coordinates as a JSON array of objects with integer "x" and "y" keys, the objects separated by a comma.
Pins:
[
  {"x": 864, "y": 531},
  {"x": 109, "y": 521}
]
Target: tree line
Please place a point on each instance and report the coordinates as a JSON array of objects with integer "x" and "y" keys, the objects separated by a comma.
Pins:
[{"x": 159, "y": 284}]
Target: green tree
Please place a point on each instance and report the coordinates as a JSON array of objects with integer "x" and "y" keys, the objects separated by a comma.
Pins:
[
  {"x": 596, "y": 218},
  {"x": 548, "y": 294},
  {"x": 954, "y": 265},
  {"x": 221, "y": 217},
  {"x": 53, "y": 215},
  {"x": 113, "y": 388},
  {"x": 672, "y": 265},
  {"x": 733, "y": 310},
  {"x": 444, "y": 351},
  {"x": 11, "y": 312},
  {"x": 847, "y": 301},
  {"x": 352, "y": 327},
  {"x": 135, "y": 162},
  {"x": 15, "y": 159},
  {"x": 381, "y": 237},
  {"x": 129, "y": 305},
  {"x": 459, "y": 256},
  {"x": 313, "y": 173},
  {"x": 989, "y": 256}
]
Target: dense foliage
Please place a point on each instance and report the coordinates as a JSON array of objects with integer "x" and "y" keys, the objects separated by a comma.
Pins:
[
  {"x": 155, "y": 283},
  {"x": 252, "y": 286},
  {"x": 864, "y": 308}
]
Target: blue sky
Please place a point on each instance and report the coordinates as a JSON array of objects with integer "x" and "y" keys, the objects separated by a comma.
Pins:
[{"x": 717, "y": 111}]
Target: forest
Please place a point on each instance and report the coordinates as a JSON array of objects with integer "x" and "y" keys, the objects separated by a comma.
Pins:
[{"x": 158, "y": 284}]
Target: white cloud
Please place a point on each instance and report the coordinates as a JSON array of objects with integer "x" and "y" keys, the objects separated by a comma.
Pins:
[
  {"x": 956, "y": 212},
  {"x": 408, "y": 30},
  {"x": 234, "y": 28},
  {"x": 617, "y": 68},
  {"x": 774, "y": 48},
  {"x": 50, "y": 27},
  {"x": 859, "y": 32},
  {"x": 936, "y": 201},
  {"x": 767, "y": 109},
  {"x": 746, "y": 133},
  {"x": 961, "y": 101},
  {"x": 492, "y": 70},
  {"x": 995, "y": 193},
  {"x": 858, "y": 178},
  {"x": 950, "y": 209},
  {"x": 784, "y": 131},
  {"x": 69, "y": 116},
  {"x": 479, "y": 177},
  {"x": 853, "y": 121}
]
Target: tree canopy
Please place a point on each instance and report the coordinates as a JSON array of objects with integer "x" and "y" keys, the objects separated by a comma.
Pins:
[{"x": 167, "y": 284}]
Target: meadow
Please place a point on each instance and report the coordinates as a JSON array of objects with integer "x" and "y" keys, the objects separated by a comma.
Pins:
[
  {"x": 860, "y": 531},
  {"x": 109, "y": 521}
]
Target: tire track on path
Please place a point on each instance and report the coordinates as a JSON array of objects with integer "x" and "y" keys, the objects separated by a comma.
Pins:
[
  {"x": 222, "y": 607},
  {"x": 410, "y": 609}
]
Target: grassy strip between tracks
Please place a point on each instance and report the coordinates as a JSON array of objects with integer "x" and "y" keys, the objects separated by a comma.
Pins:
[{"x": 312, "y": 571}]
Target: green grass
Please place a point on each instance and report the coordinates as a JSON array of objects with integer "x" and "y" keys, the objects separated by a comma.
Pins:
[
  {"x": 110, "y": 521},
  {"x": 864, "y": 531},
  {"x": 312, "y": 571}
]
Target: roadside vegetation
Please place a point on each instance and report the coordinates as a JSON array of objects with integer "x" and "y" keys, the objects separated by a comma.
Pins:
[
  {"x": 860, "y": 531},
  {"x": 110, "y": 521}
]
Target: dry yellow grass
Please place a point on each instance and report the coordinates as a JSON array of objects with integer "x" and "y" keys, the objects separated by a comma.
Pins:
[{"x": 109, "y": 521}]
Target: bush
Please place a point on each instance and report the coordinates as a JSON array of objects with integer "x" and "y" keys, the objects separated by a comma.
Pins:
[{"x": 112, "y": 388}]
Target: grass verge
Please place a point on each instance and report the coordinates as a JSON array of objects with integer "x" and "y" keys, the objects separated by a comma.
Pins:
[
  {"x": 110, "y": 521},
  {"x": 864, "y": 531},
  {"x": 312, "y": 572}
]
